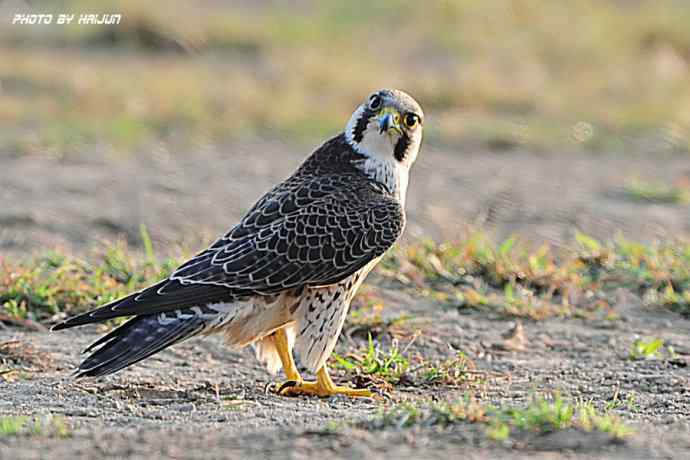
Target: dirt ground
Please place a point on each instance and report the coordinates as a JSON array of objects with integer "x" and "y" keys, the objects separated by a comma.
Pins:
[
  {"x": 169, "y": 405},
  {"x": 200, "y": 400},
  {"x": 188, "y": 195}
]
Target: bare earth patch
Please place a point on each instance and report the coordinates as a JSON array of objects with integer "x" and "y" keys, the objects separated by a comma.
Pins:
[
  {"x": 201, "y": 400},
  {"x": 186, "y": 196}
]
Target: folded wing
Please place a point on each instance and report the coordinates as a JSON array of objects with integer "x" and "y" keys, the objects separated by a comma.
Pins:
[{"x": 316, "y": 234}]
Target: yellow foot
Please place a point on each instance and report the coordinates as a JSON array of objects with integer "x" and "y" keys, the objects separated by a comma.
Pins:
[
  {"x": 296, "y": 388},
  {"x": 323, "y": 387}
]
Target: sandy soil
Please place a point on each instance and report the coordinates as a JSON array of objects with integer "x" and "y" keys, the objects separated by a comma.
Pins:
[
  {"x": 169, "y": 406},
  {"x": 187, "y": 196}
]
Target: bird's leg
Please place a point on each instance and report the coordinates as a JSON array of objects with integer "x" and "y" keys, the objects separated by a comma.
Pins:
[
  {"x": 283, "y": 349},
  {"x": 323, "y": 387},
  {"x": 295, "y": 385}
]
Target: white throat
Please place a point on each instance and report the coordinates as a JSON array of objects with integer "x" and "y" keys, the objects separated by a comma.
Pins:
[{"x": 380, "y": 163}]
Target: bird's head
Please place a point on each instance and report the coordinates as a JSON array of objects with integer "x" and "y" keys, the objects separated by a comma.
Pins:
[{"x": 387, "y": 127}]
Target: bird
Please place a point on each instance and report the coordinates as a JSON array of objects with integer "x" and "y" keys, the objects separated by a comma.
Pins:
[{"x": 282, "y": 279}]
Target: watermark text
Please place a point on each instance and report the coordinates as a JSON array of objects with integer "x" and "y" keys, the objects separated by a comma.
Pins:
[{"x": 66, "y": 19}]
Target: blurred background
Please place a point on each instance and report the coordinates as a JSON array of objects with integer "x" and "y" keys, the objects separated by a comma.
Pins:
[{"x": 544, "y": 118}]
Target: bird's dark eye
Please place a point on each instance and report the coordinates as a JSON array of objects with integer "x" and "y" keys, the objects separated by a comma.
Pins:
[
  {"x": 375, "y": 102},
  {"x": 411, "y": 120}
]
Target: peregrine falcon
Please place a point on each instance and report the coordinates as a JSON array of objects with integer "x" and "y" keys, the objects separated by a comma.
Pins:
[{"x": 284, "y": 276}]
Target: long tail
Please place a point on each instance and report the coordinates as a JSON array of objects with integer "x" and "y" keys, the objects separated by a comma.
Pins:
[{"x": 139, "y": 338}]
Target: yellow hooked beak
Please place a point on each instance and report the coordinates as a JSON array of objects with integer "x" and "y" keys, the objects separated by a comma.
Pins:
[{"x": 389, "y": 119}]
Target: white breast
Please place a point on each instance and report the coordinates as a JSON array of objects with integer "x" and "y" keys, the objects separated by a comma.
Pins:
[{"x": 392, "y": 174}]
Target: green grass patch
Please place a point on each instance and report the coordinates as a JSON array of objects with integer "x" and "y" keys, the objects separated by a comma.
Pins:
[
  {"x": 657, "y": 192},
  {"x": 11, "y": 426},
  {"x": 540, "y": 416},
  {"x": 652, "y": 348},
  {"x": 456, "y": 371},
  {"x": 47, "y": 426},
  {"x": 407, "y": 415},
  {"x": 54, "y": 285},
  {"x": 388, "y": 365},
  {"x": 508, "y": 279},
  {"x": 646, "y": 348},
  {"x": 627, "y": 402},
  {"x": 514, "y": 280}
]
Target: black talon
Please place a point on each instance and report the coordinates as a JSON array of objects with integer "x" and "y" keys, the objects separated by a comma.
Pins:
[
  {"x": 287, "y": 384},
  {"x": 268, "y": 388}
]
